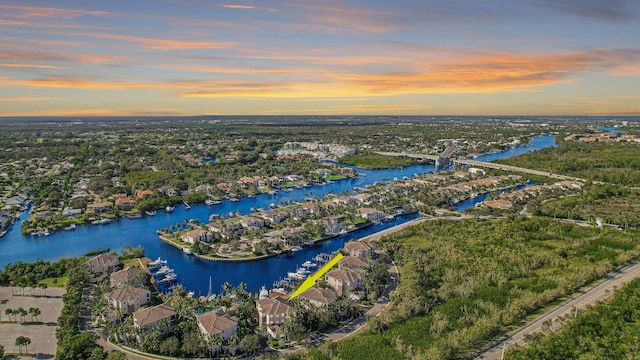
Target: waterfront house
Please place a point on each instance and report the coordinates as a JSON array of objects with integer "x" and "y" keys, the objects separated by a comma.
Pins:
[
  {"x": 127, "y": 276},
  {"x": 119, "y": 196},
  {"x": 273, "y": 216},
  {"x": 371, "y": 214},
  {"x": 126, "y": 203},
  {"x": 72, "y": 213},
  {"x": 295, "y": 212},
  {"x": 275, "y": 180},
  {"x": 260, "y": 183},
  {"x": 344, "y": 281},
  {"x": 217, "y": 323},
  {"x": 311, "y": 208},
  {"x": 343, "y": 200},
  {"x": 141, "y": 194},
  {"x": 251, "y": 222},
  {"x": 102, "y": 265},
  {"x": 192, "y": 236},
  {"x": 129, "y": 299},
  {"x": 168, "y": 190},
  {"x": 358, "y": 249},
  {"x": 498, "y": 204},
  {"x": 164, "y": 315},
  {"x": 99, "y": 208},
  {"x": 352, "y": 263},
  {"x": 247, "y": 180},
  {"x": 332, "y": 224},
  {"x": 363, "y": 198},
  {"x": 319, "y": 297},
  {"x": 224, "y": 187},
  {"x": 273, "y": 311},
  {"x": 224, "y": 229}
]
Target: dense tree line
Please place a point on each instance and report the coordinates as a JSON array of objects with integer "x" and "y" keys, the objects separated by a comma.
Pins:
[
  {"x": 616, "y": 163},
  {"x": 30, "y": 274},
  {"x": 608, "y": 330},
  {"x": 72, "y": 343}
]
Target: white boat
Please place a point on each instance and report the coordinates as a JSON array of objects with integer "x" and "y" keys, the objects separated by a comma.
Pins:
[
  {"x": 187, "y": 251},
  {"x": 157, "y": 263},
  {"x": 150, "y": 213},
  {"x": 134, "y": 216},
  {"x": 45, "y": 232},
  {"x": 186, "y": 206},
  {"x": 272, "y": 192},
  {"x": 70, "y": 227},
  {"x": 170, "y": 208},
  {"x": 234, "y": 199},
  {"x": 309, "y": 264},
  {"x": 296, "y": 248},
  {"x": 208, "y": 202},
  {"x": 101, "y": 221}
]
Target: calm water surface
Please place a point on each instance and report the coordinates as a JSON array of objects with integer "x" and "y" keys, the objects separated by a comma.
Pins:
[{"x": 194, "y": 273}]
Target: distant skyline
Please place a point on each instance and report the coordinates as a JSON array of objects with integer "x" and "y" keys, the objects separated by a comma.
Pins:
[{"x": 270, "y": 57}]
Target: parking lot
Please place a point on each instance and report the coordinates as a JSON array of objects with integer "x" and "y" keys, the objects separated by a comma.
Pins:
[{"x": 42, "y": 334}]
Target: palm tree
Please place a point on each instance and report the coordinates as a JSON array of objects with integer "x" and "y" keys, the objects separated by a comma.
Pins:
[
  {"x": 35, "y": 312},
  {"x": 22, "y": 312},
  {"x": 22, "y": 341},
  {"x": 226, "y": 287},
  {"x": 8, "y": 312}
]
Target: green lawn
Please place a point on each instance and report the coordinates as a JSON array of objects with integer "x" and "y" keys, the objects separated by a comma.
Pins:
[{"x": 60, "y": 282}]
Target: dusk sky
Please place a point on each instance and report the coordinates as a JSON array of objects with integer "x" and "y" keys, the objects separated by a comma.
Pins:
[{"x": 418, "y": 57}]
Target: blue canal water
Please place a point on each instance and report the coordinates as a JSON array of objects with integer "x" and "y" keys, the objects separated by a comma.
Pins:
[
  {"x": 612, "y": 130},
  {"x": 194, "y": 273},
  {"x": 470, "y": 202}
]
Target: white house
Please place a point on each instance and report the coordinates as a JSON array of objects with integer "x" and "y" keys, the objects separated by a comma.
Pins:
[{"x": 194, "y": 235}]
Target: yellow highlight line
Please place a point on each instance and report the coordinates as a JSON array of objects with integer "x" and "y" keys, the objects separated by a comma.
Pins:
[{"x": 311, "y": 280}]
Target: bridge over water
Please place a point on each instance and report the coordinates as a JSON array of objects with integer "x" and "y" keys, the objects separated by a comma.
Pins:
[{"x": 484, "y": 164}]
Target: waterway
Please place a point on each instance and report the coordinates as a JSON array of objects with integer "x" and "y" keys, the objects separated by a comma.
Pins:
[
  {"x": 612, "y": 130},
  {"x": 194, "y": 273}
]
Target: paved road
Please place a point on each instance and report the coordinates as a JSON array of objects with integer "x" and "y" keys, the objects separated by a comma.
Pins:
[{"x": 598, "y": 292}]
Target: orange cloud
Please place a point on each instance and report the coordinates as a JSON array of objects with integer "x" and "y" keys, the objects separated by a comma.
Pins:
[
  {"x": 163, "y": 44},
  {"x": 475, "y": 73},
  {"x": 623, "y": 112},
  {"x": 63, "y": 56},
  {"x": 230, "y": 6},
  {"x": 248, "y": 7},
  {"x": 30, "y": 66},
  {"x": 357, "y": 18},
  {"x": 583, "y": 103},
  {"x": 97, "y": 112},
  {"x": 38, "y": 24},
  {"x": 31, "y": 12},
  {"x": 27, "y": 99}
]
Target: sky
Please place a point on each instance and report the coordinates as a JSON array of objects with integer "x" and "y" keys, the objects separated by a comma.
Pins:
[{"x": 272, "y": 57}]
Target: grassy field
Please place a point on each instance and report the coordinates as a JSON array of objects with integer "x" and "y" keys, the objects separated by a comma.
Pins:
[
  {"x": 60, "y": 282},
  {"x": 463, "y": 283}
]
